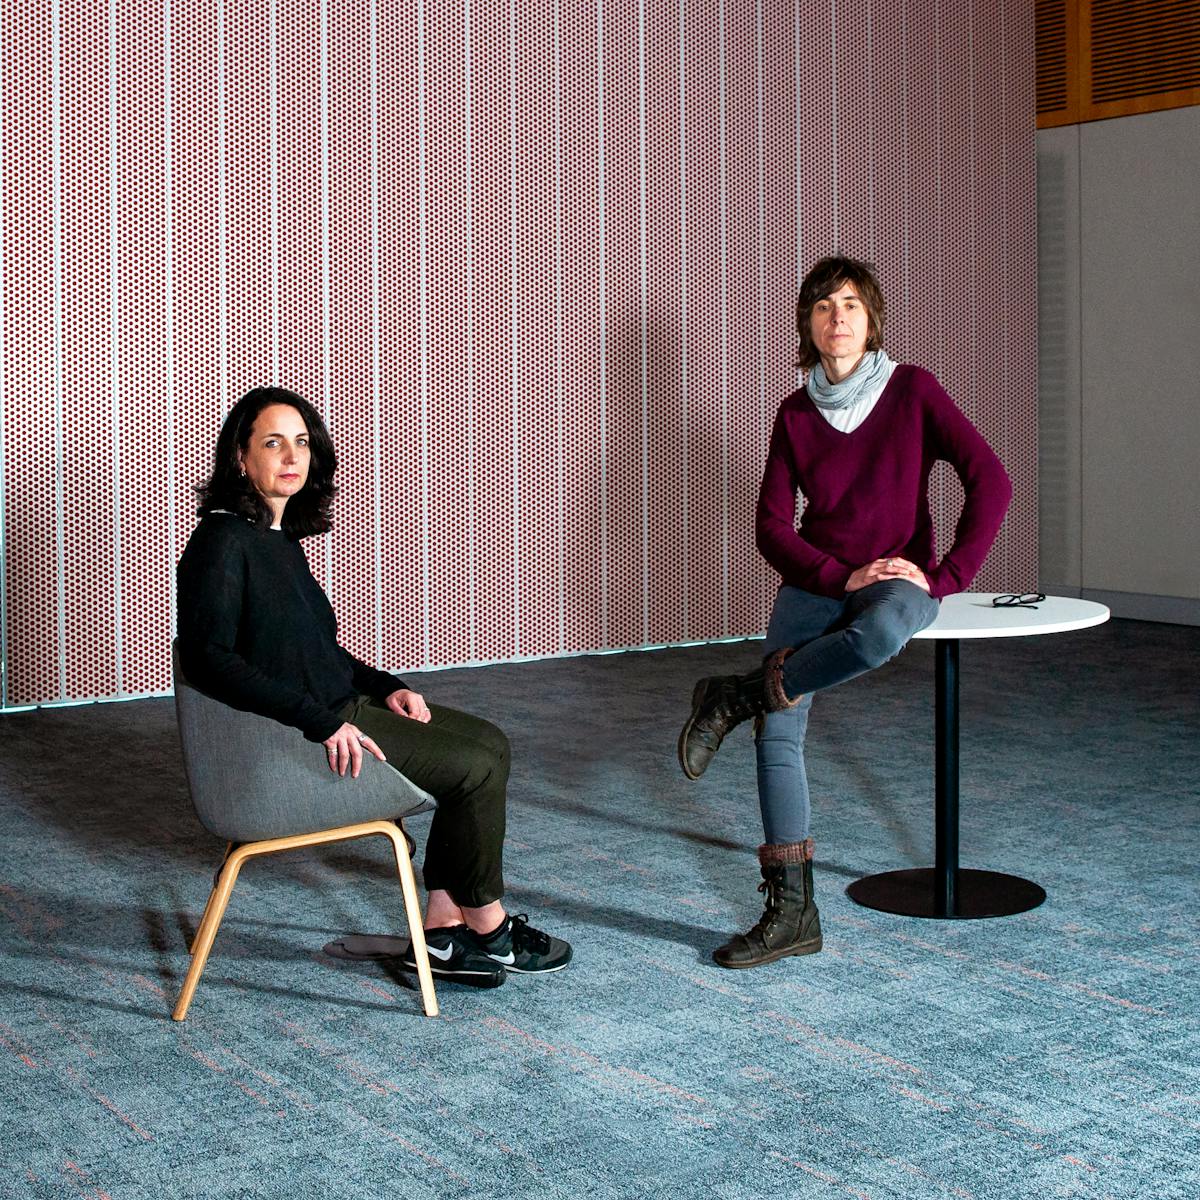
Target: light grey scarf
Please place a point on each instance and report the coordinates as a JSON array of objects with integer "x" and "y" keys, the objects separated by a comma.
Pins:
[{"x": 867, "y": 380}]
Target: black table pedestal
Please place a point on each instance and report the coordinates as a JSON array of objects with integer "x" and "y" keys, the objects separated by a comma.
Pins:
[{"x": 945, "y": 890}]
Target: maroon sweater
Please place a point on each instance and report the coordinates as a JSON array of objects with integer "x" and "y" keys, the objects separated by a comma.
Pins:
[{"x": 867, "y": 491}]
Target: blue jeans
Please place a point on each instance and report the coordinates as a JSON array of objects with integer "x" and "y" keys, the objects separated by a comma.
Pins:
[{"x": 834, "y": 640}]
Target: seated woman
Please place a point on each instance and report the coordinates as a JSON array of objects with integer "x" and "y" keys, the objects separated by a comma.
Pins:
[
  {"x": 257, "y": 632},
  {"x": 858, "y": 578}
]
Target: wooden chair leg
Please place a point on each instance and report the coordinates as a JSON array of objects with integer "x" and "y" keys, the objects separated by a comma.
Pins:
[
  {"x": 196, "y": 936},
  {"x": 213, "y": 912},
  {"x": 416, "y": 928}
]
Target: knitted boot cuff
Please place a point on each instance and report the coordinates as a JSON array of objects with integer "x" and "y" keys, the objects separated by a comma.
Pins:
[
  {"x": 786, "y": 853},
  {"x": 773, "y": 693}
]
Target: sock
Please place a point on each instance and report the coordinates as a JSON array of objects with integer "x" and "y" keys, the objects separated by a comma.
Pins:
[{"x": 496, "y": 933}]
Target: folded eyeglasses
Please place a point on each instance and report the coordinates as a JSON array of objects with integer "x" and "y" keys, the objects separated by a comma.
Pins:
[{"x": 1019, "y": 600}]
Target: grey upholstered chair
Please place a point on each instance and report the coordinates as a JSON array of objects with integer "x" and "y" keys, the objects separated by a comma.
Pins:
[{"x": 263, "y": 788}]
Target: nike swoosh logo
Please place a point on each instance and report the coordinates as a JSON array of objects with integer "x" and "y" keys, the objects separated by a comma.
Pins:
[
  {"x": 437, "y": 952},
  {"x": 506, "y": 959}
]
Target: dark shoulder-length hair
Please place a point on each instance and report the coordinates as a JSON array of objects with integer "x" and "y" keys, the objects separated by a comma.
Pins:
[
  {"x": 309, "y": 511},
  {"x": 826, "y": 277}
]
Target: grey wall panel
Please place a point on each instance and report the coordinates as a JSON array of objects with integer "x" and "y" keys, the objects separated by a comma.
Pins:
[
  {"x": 1059, "y": 396},
  {"x": 1140, "y": 241}
]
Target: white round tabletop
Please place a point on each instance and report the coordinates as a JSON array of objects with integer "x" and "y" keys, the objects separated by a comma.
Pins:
[{"x": 972, "y": 615}]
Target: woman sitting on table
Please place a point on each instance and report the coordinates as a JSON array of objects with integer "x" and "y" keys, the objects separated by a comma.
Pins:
[
  {"x": 858, "y": 579},
  {"x": 257, "y": 632}
]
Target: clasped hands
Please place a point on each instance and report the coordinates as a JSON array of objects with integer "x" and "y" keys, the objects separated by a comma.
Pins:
[
  {"x": 887, "y": 568},
  {"x": 345, "y": 746}
]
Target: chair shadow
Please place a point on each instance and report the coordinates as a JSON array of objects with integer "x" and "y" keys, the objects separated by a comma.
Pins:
[
  {"x": 46, "y": 993},
  {"x": 219, "y": 971}
]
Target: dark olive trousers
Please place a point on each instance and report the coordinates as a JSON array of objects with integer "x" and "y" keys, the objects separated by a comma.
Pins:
[{"x": 462, "y": 761}]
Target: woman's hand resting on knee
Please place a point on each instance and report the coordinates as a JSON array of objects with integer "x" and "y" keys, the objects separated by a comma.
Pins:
[
  {"x": 887, "y": 568},
  {"x": 345, "y": 747},
  {"x": 408, "y": 704}
]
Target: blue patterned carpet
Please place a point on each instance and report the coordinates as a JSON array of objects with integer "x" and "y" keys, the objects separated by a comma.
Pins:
[{"x": 1050, "y": 1054}]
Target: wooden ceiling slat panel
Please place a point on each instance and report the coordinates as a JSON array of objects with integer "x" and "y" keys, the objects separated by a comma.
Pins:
[{"x": 1109, "y": 58}]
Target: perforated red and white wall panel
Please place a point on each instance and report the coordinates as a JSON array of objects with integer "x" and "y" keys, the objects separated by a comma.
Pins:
[{"x": 536, "y": 263}]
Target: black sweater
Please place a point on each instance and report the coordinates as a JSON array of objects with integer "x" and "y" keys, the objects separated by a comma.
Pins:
[{"x": 257, "y": 631}]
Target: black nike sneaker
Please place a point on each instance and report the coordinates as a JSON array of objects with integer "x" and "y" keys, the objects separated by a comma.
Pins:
[
  {"x": 517, "y": 946},
  {"x": 454, "y": 954}
]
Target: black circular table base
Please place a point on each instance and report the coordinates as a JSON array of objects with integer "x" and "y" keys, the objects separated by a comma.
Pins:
[{"x": 979, "y": 894}]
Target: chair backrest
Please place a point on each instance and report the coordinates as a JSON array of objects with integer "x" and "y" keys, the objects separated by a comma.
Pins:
[{"x": 252, "y": 778}]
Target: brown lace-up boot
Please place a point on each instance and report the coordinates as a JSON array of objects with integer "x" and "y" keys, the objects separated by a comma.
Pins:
[
  {"x": 790, "y": 923},
  {"x": 721, "y": 702}
]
